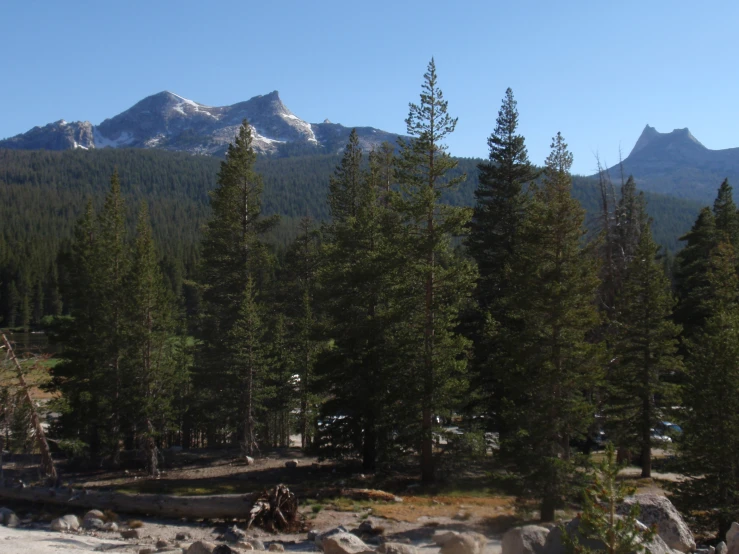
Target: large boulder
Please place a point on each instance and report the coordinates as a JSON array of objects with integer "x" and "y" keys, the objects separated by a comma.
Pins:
[
  {"x": 529, "y": 539},
  {"x": 732, "y": 538},
  {"x": 722, "y": 548},
  {"x": 464, "y": 543},
  {"x": 344, "y": 543},
  {"x": 655, "y": 510},
  {"x": 555, "y": 544}
]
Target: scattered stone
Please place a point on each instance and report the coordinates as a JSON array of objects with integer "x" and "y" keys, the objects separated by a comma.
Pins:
[
  {"x": 244, "y": 546},
  {"x": 397, "y": 548},
  {"x": 722, "y": 548},
  {"x": 66, "y": 523},
  {"x": 529, "y": 539},
  {"x": 440, "y": 537},
  {"x": 344, "y": 543},
  {"x": 12, "y": 520},
  {"x": 276, "y": 547},
  {"x": 319, "y": 537},
  {"x": 162, "y": 543},
  {"x": 223, "y": 549},
  {"x": 131, "y": 534},
  {"x": 658, "y": 511},
  {"x": 464, "y": 543},
  {"x": 201, "y": 547},
  {"x": 291, "y": 463},
  {"x": 234, "y": 534},
  {"x": 94, "y": 514},
  {"x": 249, "y": 461},
  {"x": 183, "y": 536},
  {"x": 256, "y": 544},
  {"x": 146, "y": 551},
  {"x": 92, "y": 523},
  {"x": 5, "y": 514}
]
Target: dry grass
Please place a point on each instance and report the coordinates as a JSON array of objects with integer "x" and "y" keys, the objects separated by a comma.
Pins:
[{"x": 413, "y": 507}]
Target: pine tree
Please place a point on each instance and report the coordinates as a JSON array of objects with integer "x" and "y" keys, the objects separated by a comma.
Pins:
[
  {"x": 645, "y": 351},
  {"x": 600, "y": 523},
  {"x": 500, "y": 206},
  {"x": 725, "y": 214},
  {"x": 494, "y": 233},
  {"x": 247, "y": 357},
  {"x": 234, "y": 254},
  {"x": 111, "y": 260},
  {"x": 709, "y": 450},
  {"x": 438, "y": 281},
  {"x": 691, "y": 282},
  {"x": 299, "y": 280},
  {"x": 546, "y": 404},
  {"x": 356, "y": 262},
  {"x": 153, "y": 362}
]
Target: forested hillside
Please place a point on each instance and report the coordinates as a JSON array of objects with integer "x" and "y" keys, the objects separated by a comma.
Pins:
[{"x": 45, "y": 192}]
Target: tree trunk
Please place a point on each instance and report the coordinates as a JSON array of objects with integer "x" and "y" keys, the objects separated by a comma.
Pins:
[
  {"x": 47, "y": 463},
  {"x": 548, "y": 504}
]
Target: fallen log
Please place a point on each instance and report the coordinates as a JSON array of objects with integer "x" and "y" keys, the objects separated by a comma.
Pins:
[
  {"x": 219, "y": 506},
  {"x": 191, "y": 507}
]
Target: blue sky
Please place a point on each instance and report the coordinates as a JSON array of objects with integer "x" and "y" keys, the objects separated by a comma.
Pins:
[{"x": 596, "y": 71}]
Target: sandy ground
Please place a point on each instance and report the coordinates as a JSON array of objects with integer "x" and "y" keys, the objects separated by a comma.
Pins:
[{"x": 35, "y": 541}]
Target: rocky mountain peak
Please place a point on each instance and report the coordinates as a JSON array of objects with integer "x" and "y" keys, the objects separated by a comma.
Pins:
[
  {"x": 169, "y": 121},
  {"x": 678, "y": 138}
]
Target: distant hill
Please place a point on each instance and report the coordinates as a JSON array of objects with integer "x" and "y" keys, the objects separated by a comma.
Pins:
[
  {"x": 44, "y": 192},
  {"x": 167, "y": 121},
  {"x": 677, "y": 164}
]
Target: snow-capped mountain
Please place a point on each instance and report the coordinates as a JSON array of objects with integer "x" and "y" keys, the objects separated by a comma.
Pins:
[{"x": 171, "y": 122}]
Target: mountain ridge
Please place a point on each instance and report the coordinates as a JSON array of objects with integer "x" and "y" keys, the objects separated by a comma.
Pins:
[
  {"x": 168, "y": 121},
  {"x": 678, "y": 164}
]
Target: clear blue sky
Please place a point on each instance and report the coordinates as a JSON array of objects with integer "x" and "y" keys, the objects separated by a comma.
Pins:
[{"x": 596, "y": 71}]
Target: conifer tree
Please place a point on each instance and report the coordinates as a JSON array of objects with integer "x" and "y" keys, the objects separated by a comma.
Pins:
[
  {"x": 357, "y": 258},
  {"x": 725, "y": 213},
  {"x": 14, "y": 304},
  {"x": 546, "y": 405},
  {"x": 283, "y": 401},
  {"x": 709, "y": 449},
  {"x": 645, "y": 351},
  {"x": 247, "y": 357},
  {"x": 494, "y": 232},
  {"x": 234, "y": 254},
  {"x": 299, "y": 281},
  {"x": 438, "y": 281},
  {"x": 691, "y": 281},
  {"x": 111, "y": 261},
  {"x": 500, "y": 205},
  {"x": 153, "y": 363}
]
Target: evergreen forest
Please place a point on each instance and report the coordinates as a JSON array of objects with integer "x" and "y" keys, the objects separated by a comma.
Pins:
[{"x": 360, "y": 300}]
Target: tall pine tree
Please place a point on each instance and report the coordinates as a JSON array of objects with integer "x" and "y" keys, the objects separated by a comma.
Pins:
[
  {"x": 645, "y": 351},
  {"x": 233, "y": 256},
  {"x": 546, "y": 404},
  {"x": 437, "y": 280}
]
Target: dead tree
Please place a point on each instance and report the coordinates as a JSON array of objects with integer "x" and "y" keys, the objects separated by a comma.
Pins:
[{"x": 47, "y": 463}]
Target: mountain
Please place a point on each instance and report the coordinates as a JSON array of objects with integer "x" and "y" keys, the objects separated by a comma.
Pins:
[
  {"x": 677, "y": 164},
  {"x": 168, "y": 121}
]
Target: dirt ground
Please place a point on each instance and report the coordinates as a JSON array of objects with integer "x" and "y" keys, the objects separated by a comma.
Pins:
[{"x": 466, "y": 503}]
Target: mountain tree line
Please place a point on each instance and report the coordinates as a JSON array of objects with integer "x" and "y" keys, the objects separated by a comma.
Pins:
[{"x": 404, "y": 307}]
